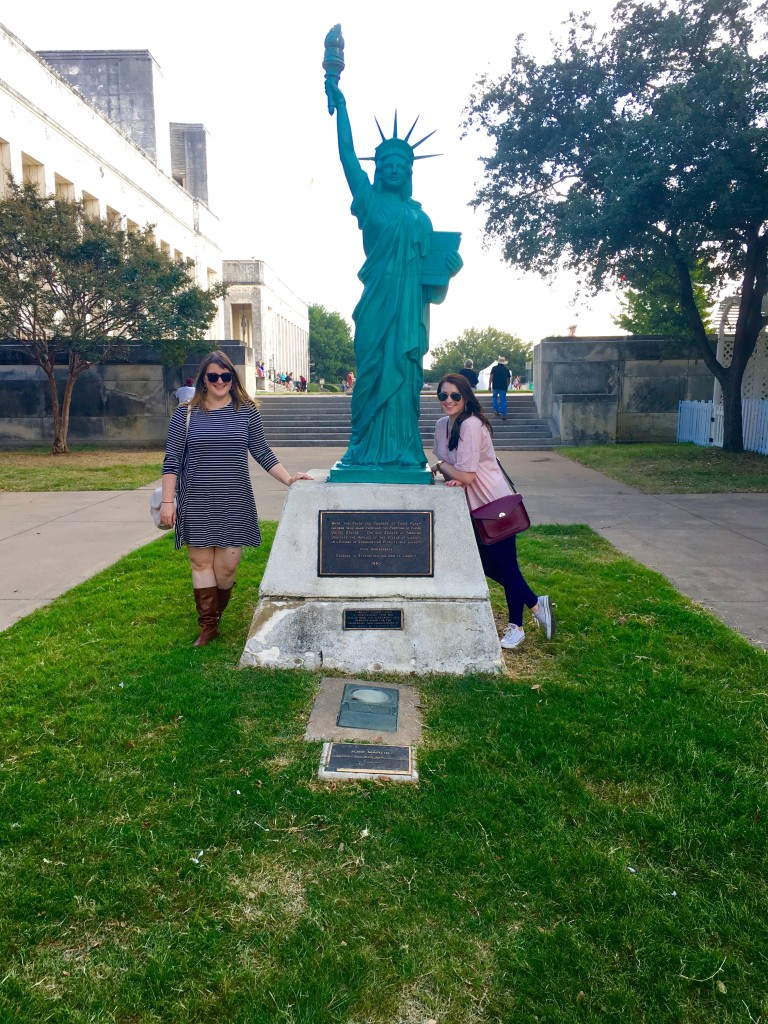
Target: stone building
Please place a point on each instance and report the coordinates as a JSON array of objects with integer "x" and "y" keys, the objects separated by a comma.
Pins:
[
  {"x": 95, "y": 126},
  {"x": 263, "y": 313}
]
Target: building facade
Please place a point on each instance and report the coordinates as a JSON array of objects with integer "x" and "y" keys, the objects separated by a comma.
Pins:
[
  {"x": 85, "y": 126},
  {"x": 94, "y": 126},
  {"x": 263, "y": 313}
]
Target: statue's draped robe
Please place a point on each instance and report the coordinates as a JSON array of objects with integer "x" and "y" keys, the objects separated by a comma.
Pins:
[{"x": 391, "y": 332}]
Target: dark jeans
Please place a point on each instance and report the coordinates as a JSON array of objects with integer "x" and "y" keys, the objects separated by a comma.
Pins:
[
  {"x": 500, "y": 564},
  {"x": 500, "y": 402}
]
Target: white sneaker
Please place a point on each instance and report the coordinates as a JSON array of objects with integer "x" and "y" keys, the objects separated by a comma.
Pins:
[
  {"x": 545, "y": 617},
  {"x": 513, "y": 637}
]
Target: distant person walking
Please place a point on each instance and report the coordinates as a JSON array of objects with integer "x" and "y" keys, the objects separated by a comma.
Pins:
[
  {"x": 470, "y": 373},
  {"x": 187, "y": 392},
  {"x": 350, "y": 381},
  {"x": 206, "y": 471},
  {"x": 465, "y": 458},
  {"x": 500, "y": 378}
]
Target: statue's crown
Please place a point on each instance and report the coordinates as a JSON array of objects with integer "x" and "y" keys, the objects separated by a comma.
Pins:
[{"x": 397, "y": 145}]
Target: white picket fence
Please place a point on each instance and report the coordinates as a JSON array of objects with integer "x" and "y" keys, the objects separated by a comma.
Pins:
[{"x": 698, "y": 423}]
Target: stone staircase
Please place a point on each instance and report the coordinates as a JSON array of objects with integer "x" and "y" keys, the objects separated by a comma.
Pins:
[{"x": 298, "y": 420}]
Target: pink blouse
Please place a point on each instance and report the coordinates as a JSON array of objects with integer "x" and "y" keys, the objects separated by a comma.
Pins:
[{"x": 474, "y": 454}]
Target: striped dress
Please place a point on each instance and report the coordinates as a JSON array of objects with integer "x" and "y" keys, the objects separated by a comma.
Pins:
[{"x": 215, "y": 505}]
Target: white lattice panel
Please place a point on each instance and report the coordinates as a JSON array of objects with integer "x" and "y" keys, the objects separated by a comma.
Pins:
[{"x": 755, "y": 382}]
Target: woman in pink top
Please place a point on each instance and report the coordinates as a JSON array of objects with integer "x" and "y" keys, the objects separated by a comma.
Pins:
[{"x": 465, "y": 458}]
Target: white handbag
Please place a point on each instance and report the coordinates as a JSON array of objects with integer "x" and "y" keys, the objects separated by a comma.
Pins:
[
  {"x": 156, "y": 497},
  {"x": 155, "y": 503}
]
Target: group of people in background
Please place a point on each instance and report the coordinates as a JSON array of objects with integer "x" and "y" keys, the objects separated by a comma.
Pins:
[{"x": 500, "y": 379}]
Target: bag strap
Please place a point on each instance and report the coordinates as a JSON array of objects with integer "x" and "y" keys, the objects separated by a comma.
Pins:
[
  {"x": 506, "y": 476},
  {"x": 184, "y": 449}
]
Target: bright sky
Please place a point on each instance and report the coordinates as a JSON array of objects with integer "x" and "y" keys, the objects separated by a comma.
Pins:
[{"x": 252, "y": 74}]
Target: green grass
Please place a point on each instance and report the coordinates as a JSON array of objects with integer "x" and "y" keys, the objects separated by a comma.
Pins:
[
  {"x": 587, "y": 842},
  {"x": 676, "y": 468},
  {"x": 83, "y": 469}
]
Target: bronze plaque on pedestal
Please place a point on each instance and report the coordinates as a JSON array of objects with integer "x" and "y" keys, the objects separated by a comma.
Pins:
[
  {"x": 373, "y": 543},
  {"x": 372, "y": 618}
]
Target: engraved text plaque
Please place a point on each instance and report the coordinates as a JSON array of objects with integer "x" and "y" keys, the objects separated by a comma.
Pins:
[{"x": 373, "y": 543}]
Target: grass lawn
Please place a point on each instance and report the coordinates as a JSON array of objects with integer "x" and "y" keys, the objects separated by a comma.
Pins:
[
  {"x": 676, "y": 468},
  {"x": 587, "y": 843},
  {"x": 84, "y": 469}
]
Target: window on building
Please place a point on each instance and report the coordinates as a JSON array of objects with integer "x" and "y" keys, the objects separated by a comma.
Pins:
[
  {"x": 64, "y": 189},
  {"x": 114, "y": 219},
  {"x": 5, "y": 165},
  {"x": 91, "y": 205},
  {"x": 32, "y": 172},
  {"x": 131, "y": 226},
  {"x": 165, "y": 247}
]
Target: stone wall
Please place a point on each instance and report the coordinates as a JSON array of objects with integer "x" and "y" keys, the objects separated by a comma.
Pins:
[
  {"x": 122, "y": 403},
  {"x": 622, "y": 389}
]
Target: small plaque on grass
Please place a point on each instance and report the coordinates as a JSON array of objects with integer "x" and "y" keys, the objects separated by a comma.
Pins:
[{"x": 367, "y": 761}]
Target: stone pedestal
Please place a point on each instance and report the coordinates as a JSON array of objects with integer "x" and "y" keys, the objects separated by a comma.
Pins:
[{"x": 447, "y": 623}]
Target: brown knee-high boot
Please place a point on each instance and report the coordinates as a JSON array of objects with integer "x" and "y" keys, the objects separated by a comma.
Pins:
[
  {"x": 222, "y": 598},
  {"x": 207, "y": 614}
]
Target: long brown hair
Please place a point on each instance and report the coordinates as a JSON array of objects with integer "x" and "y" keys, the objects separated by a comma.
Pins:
[
  {"x": 472, "y": 406},
  {"x": 239, "y": 395}
]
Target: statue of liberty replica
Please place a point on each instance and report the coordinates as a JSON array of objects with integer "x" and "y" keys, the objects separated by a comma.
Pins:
[{"x": 407, "y": 267}]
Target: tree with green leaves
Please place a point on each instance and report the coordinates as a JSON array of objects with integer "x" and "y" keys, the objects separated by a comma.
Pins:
[
  {"x": 482, "y": 347},
  {"x": 331, "y": 348},
  {"x": 75, "y": 288},
  {"x": 651, "y": 305},
  {"x": 642, "y": 147}
]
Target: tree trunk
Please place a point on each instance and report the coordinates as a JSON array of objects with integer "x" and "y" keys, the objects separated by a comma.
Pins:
[
  {"x": 59, "y": 446},
  {"x": 754, "y": 286},
  {"x": 748, "y": 326},
  {"x": 61, "y": 422},
  {"x": 733, "y": 436}
]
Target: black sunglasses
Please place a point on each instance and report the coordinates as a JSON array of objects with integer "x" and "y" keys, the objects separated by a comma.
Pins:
[
  {"x": 443, "y": 396},
  {"x": 214, "y": 378}
]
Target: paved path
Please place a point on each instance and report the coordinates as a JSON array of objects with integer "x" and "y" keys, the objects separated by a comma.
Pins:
[{"x": 712, "y": 547}]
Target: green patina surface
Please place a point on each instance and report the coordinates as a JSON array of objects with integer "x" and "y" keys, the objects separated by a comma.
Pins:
[{"x": 407, "y": 268}]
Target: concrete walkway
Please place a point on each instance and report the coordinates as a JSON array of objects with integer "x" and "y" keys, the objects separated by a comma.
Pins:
[{"x": 712, "y": 547}]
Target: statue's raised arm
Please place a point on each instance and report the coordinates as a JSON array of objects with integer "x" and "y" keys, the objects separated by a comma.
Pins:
[
  {"x": 333, "y": 65},
  {"x": 353, "y": 171}
]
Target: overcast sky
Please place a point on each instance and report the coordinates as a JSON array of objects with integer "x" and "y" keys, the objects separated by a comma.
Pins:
[{"x": 252, "y": 74}]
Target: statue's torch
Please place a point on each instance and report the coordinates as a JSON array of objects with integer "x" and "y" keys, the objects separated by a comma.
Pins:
[{"x": 333, "y": 61}]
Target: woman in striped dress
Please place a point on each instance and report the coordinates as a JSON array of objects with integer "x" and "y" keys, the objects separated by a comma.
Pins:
[{"x": 206, "y": 470}]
